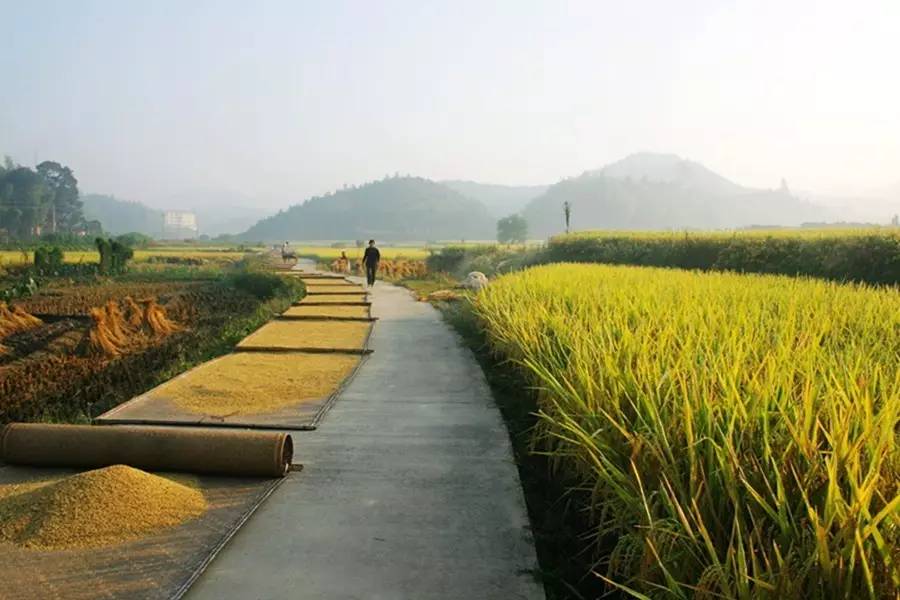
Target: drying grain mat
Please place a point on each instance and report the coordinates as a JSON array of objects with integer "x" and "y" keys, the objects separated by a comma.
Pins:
[
  {"x": 252, "y": 389},
  {"x": 335, "y": 311},
  {"x": 308, "y": 336},
  {"x": 334, "y": 289},
  {"x": 348, "y": 299},
  {"x": 159, "y": 556}
]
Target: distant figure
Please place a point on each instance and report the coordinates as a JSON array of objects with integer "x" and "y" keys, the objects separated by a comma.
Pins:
[
  {"x": 371, "y": 258},
  {"x": 287, "y": 253},
  {"x": 344, "y": 262}
]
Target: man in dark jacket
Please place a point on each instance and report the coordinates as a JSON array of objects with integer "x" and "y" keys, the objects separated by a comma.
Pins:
[{"x": 371, "y": 259}]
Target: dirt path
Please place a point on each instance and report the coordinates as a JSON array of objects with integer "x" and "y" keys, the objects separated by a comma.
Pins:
[{"x": 409, "y": 488}]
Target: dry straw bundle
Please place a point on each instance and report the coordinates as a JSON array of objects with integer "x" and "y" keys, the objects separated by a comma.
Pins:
[
  {"x": 16, "y": 320},
  {"x": 113, "y": 330}
]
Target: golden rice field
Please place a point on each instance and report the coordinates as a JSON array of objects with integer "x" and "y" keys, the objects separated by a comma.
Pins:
[
  {"x": 15, "y": 257},
  {"x": 387, "y": 253},
  {"x": 777, "y": 232},
  {"x": 732, "y": 436}
]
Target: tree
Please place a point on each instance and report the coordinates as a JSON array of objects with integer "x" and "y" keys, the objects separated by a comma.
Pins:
[
  {"x": 65, "y": 211},
  {"x": 511, "y": 229},
  {"x": 567, "y": 209},
  {"x": 24, "y": 202}
]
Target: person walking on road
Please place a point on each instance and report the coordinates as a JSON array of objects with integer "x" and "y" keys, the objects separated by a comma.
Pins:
[{"x": 371, "y": 258}]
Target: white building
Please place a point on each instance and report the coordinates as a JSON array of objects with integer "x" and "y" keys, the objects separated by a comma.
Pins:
[{"x": 180, "y": 225}]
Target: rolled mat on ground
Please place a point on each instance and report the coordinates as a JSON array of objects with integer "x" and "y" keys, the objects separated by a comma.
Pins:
[{"x": 222, "y": 452}]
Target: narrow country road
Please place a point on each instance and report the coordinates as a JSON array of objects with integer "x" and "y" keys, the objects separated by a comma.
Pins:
[{"x": 409, "y": 488}]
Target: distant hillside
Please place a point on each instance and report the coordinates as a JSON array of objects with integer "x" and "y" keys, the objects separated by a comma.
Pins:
[
  {"x": 662, "y": 191},
  {"x": 395, "y": 209},
  {"x": 120, "y": 216},
  {"x": 500, "y": 200}
]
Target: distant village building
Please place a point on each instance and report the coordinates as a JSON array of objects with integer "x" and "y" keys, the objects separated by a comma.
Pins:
[{"x": 180, "y": 225}]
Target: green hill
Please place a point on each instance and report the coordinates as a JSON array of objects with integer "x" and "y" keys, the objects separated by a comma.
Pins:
[
  {"x": 119, "y": 216},
  {"x": 393, "y": 209},
  {"x": 662, "y": 191}
]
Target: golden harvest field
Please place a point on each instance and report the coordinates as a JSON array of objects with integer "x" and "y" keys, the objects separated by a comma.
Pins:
[
  {"x": 14, "y": 257},
  {"x": 353, "y": 253},
  {"x": 732, "y": 436}
]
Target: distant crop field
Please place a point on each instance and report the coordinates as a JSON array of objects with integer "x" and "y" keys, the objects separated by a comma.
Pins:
[
  {"x": 14, "y": 257},
  {"x": 731, "y": 434},
  {"x": 387, "y": 252},
  {"x": 870, "y": 255}
]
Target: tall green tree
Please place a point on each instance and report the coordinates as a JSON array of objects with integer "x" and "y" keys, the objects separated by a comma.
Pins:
[
  {"x": 512, "y": 229},
  {"x": 65, "y": 212},
  {"x": 24, "y": 202}
]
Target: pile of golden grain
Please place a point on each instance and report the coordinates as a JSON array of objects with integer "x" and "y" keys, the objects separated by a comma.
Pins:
[{"x": 95, "y": 508}]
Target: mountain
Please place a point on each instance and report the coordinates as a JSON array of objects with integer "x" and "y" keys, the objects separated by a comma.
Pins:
[
  {"x": 500, "y": 200},
  {"x": 393, "y": 209},
  {"x": 669, "y": 168},
  {"x": 663, "y": 191},
  {"x": 120, "y": 216}
]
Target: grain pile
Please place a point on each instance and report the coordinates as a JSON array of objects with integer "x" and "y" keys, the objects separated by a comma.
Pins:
[
  {"x": 335, "y": 299},
  {"x": 95, "y": 508},
  {"x": 328, "y": 311},
  {"x": 309, "y": 334},
  {"x": 242, "y": 384}
]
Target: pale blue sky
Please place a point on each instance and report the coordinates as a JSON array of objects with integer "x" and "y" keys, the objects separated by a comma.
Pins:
[{"x": 281, "y": 100}]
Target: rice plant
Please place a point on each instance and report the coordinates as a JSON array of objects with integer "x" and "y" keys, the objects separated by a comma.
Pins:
[{"x": 734, "y": 436}]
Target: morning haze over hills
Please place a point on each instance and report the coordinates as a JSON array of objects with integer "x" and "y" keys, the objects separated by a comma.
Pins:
[{"x": 642, "y": 191}]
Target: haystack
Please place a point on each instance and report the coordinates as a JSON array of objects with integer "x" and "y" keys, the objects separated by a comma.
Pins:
[
  {"x": 16, "y": 320},
  {"x": 155, "y": 318}
]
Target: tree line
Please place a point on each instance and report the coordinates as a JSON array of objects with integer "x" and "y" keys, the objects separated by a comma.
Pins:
[{"x": 40, "y": 201}]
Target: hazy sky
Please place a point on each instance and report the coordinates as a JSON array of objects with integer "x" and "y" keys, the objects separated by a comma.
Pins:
[{"x": 281, "y": 100}]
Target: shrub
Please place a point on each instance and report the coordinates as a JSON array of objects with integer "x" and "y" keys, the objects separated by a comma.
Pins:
[{"x": 870, "y": 256}]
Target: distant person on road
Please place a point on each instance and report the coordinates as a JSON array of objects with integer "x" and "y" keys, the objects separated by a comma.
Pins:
[{"x": 371, "y": 258}]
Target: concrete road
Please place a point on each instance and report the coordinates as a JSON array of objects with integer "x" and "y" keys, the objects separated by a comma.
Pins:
[{"x": 409, "y": 488}]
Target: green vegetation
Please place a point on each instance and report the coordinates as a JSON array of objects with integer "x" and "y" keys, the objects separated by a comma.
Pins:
[
  {"x": 867, "y": 255},
  {"x": 395, "y": 208},
  {"x": 489, "y": 259},
  {"x": 512, "y": 229},
  {"x": 43, "y": 199},
  {"x": 120, "y": 216},
  {"x": 728, "y": 436}
]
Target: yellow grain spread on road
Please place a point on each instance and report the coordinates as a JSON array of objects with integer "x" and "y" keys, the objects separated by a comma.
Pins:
[
  {"x": 335, "y": 299},
  {"x": 95, "y": 508},
  {"x": 328, "y": 311},
  {"x": 309, "y": 334},
  {"x": 257, "y": 383},
  {"x": 320, "y": 289}
]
